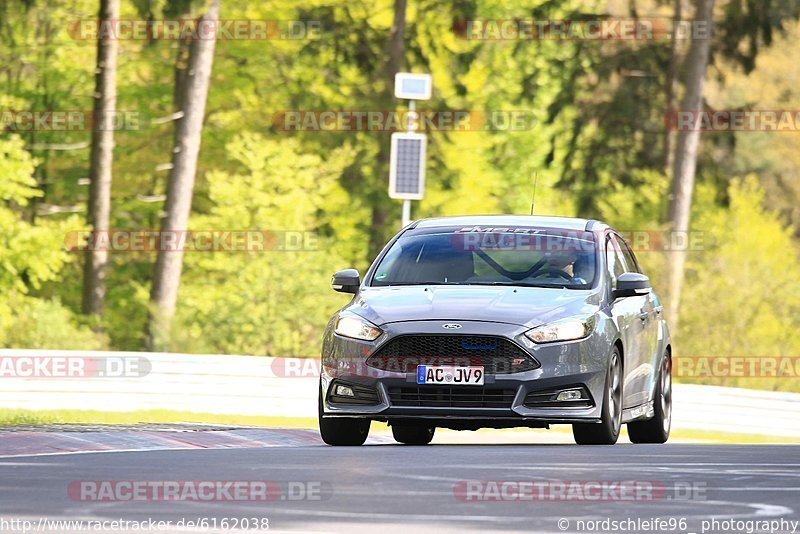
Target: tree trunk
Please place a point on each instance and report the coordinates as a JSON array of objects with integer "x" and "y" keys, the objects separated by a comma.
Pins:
[
  {"x": 396, "y": 50},
  {"x": 181, "y": 67},
  {"x": 685, "y": 163},
  {"x": 178, "y": 205},
  {"x": 397, "y": 44},
  {"x": 101, "y": 159},
  {"x": 672, "y": 82}
]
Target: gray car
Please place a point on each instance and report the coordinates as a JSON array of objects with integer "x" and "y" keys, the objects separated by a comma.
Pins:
[{"x": 498, "y": 321}]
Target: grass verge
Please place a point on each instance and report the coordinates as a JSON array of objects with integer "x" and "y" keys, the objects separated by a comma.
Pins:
[{"x": 13, "y": 417}]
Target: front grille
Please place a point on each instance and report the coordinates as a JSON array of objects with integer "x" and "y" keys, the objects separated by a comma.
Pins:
[
  {"x": 497, "y": 355},
  {"x": 451, "y": 397}
]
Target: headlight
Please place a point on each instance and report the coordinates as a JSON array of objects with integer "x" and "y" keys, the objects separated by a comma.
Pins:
[
  {"x": 357, "y": 328},
  {"x": 563, "y": 330}
]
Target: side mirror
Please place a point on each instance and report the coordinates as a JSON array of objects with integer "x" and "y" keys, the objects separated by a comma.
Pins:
[
  {"x": 346, "y": 281},
  {"x": 631, "y": 285}
]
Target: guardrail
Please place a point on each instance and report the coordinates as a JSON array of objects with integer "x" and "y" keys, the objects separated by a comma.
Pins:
[{"x": 287, "y": 387}]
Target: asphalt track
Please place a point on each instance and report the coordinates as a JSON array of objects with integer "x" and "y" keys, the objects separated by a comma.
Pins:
[{"x": 382, "y": 487}]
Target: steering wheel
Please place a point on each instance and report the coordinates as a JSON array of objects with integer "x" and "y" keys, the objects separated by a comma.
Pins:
[{"x": 552, "y": 272}]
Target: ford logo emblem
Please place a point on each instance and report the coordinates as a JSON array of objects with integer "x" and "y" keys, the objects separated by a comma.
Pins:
[{"x": 451, "y": 326}]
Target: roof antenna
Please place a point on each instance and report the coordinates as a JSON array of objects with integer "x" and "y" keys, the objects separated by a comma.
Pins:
[{"x": 533, "y": 198}]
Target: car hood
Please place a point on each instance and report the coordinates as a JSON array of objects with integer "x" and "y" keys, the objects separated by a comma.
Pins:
[{"x": 525, "y": 306}]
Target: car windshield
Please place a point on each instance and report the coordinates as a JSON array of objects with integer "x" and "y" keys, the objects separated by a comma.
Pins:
[{"x": 489, "y": 256}]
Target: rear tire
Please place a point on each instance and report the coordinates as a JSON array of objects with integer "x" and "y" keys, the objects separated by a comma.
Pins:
[
  {"x": 607, "y": 431},
  {"x": 656, "y": 429},
  {"x": 412, "y": 435},
  {"x": 342, "y": 431}
]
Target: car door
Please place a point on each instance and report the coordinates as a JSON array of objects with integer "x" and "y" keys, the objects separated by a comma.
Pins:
[
  {"x": 626, "y": 311},
  {"x": 652, "y": 309},
  {"x": 641, "y": 377}
]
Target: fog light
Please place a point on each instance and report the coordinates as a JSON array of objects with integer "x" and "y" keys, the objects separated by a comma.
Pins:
[
  {"x": 570, "y": 395},
  {"x": 345, "y": 391}
]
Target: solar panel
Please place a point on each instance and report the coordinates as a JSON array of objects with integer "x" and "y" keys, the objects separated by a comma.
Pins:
[{"x": 407, "y": 166}]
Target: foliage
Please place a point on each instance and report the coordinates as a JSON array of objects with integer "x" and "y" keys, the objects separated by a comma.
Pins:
[
  {"x": 743, "y": 288},
  {"x": 31, "y": 255},
  {"x": 773, "y": 158},
  {"x": 594, "y": 147},
  {"x": 273, "y": 302}
]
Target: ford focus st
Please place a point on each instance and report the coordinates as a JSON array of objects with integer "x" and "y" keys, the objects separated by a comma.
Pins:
[{"x": 498, "y": 322}]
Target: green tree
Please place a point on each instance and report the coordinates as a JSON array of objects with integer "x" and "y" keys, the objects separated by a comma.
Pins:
[
  {"x": 31, "y": 256},
  {"x": 274, "y": 302},
  {"x": 742, "y": 295}
]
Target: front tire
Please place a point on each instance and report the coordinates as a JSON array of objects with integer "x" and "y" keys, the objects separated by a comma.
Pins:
[
  {"x": 656, "y": 429},
  {"x": 412, "y": 435},
  {"x": 607, "y": 431},
  {"x": 340, "y": 431}
]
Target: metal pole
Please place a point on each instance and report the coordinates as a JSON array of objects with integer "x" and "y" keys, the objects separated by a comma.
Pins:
[
  {"x": 411, "y": 126},
  {"x": 406, "y": 213}
]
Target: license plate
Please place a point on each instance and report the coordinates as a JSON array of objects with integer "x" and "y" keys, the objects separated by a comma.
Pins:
[{"x": 460, "y": 376}]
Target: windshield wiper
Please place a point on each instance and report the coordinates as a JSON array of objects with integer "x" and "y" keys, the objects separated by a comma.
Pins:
[
  {"x": 522, "y": 284},
  {"x": 436, "y": 283}
]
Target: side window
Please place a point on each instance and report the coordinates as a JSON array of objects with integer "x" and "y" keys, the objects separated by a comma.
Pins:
[
  {"x": 614, "y": 260},
  {"x": 630, "y": 260}
]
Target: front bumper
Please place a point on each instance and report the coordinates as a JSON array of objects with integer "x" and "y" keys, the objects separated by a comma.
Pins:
[{"x": 581, "y": 363}]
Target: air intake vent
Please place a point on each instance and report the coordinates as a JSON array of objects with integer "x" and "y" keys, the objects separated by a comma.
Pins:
[
  {"x": 451, "y": 397},
  {"x": 497, "y": 355}
]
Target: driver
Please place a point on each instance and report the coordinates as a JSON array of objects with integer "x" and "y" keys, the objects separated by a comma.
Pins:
[
  {"x": 572, "y": 262},
  {"x": 562, "y": 260}
]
